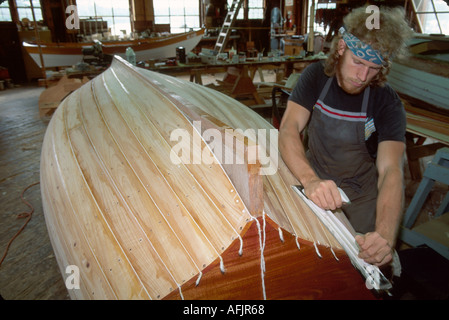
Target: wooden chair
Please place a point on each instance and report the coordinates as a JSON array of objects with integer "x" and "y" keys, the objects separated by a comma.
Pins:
[{"x": 279, "y": 98}]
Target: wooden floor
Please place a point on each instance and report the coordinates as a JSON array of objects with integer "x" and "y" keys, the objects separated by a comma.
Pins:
[{"x": 29, "y": 270}]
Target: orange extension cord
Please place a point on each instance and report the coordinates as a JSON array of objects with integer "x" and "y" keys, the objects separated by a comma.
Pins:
[{"x": 22, "y": 215}]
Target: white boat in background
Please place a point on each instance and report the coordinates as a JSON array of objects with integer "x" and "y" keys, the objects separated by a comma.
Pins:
[{"x": 68, "y": 54}]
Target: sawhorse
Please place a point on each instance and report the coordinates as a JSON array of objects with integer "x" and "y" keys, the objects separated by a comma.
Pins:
[{"x": 434, "y": 233}]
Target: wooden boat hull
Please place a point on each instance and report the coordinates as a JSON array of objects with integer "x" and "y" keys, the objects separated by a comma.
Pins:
[
  {"x": 68, "y": 54},
  {"x": 139, "y": 223}
]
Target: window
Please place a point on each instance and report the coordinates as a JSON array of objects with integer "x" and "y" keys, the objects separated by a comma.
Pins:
[
  {"x": 317, "y": 26},
  {"x": 5, "y": 15},
  {"x": 24, "y": 10},
  {"x": 255, "y": 9},
  {"x": 240, "y": 15},
  {"x": 182, "y": 15},
  {"x": 433, "y": 15},
  {"x": 115, "y": 12}
]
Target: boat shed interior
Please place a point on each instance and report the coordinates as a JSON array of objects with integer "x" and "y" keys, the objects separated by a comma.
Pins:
[{"x": 250, "y": 50}]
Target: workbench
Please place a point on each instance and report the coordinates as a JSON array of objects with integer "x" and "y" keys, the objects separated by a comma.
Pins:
[
  {"x": 239, "y": 76},
  {"x": 427, "y": 131}
]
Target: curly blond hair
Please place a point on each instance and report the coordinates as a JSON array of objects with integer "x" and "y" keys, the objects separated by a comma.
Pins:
[{"x": 389, "y": 39}]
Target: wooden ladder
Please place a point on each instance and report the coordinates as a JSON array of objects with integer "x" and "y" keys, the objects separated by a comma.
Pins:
[{"x": 225, "y": 31}]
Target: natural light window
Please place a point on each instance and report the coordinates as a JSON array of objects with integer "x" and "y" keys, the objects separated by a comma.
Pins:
[
  {"x": 115, "y": 12},
  {"x": 5, "y": 15},
  {"x": 182, "y": 15},
  {"x": 433, "y": 15},
  {"x": 240, "y": 15},
  {"x": 255, "y": 9},
  {"x": 23, "y": 9}
]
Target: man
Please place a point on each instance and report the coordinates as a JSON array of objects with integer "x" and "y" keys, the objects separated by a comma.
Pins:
[{"x": 356, "y": 131}]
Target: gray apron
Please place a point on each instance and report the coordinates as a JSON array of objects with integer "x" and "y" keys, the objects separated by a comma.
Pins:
[{"x": 337, "y": 151}]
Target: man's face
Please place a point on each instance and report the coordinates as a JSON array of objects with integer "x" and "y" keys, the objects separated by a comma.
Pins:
[{"x": 354, "y": 74}]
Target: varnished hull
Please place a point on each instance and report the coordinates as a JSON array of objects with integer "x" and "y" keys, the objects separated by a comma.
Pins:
[{"x": 139, "y": 225}]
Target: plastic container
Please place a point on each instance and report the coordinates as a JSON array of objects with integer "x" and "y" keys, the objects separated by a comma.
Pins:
[{"x": 131, "y": 56}]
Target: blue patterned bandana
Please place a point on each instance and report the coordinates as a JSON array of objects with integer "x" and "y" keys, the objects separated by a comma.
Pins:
[{"x": 361, "y": 49}]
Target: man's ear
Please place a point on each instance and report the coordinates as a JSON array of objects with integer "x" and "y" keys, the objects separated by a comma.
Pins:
[{"x": 341, "y": 47}]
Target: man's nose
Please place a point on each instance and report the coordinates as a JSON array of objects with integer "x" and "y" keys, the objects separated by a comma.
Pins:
[{"x": 363, "y": 73}]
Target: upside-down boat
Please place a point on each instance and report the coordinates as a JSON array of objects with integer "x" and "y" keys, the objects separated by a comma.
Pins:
[
  {"x": 146, "y": 193},
  {"x": 68, "y": 54}
]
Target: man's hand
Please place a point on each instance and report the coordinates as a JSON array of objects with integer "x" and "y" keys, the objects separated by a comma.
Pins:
[
  {"x": 324, "y": 193},
  {"x": 374, "y": 249}
]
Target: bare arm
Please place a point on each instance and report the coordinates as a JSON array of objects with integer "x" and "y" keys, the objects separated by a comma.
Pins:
[
  {"x": 377, "y": 246},
  {"x": 390, "y": 199},
  {"x": 324, "y": 193}
]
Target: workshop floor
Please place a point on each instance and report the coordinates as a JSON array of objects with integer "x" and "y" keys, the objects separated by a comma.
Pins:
[{"x": 29, "y": 270}]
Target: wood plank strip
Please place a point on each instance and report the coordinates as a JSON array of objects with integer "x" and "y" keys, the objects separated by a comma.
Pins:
[
  {"x": 290, "y": 273},
  {"x": 320, "y": 233},
  {"x": 432, "y": 88},
  {"x": 197, "y": 202},
  {"x": 154, "y": 183},
  {"x": 210, "y": 177},
  {"x": 147, "y": 211},
  {"x": 273, "y": 207},
  {"x": 67, "y": 237},
  {"x": 117, "y": 213},
  {"x": 86, "y": 210},
  {"x": 241, "y": 117},
  {"x": 428, "y": 127}
]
